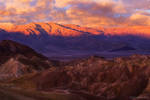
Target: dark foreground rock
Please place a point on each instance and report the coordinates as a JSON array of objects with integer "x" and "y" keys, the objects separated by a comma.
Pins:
[{"x": 118, "y": 79}]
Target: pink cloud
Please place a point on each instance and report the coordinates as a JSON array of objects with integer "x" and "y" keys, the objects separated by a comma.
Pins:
[{"x": 85, "y": 12}]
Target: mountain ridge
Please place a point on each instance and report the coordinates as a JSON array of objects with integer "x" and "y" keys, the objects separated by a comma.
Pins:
[
  {"x": 49, "y": 28},
  {"x": 59, "y": 41},
  {"x": 74, "y": 30}
]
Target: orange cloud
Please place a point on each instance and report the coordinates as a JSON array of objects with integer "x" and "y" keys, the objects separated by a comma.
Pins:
[
  {"x": 139, "y": 19},
  {"x": 82, "y": 12},
  {"x": 93, "y": 13}
]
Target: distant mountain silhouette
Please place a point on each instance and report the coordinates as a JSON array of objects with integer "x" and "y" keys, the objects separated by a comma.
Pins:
[{"x": 125, "y": 48}]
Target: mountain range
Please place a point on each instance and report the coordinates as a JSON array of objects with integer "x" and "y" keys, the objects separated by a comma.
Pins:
[{"x": 68, "y": 41}]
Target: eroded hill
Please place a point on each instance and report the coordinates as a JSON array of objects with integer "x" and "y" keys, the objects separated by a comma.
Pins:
[
  {"x": 18, "y": 59},
  {"x": 125, "y": 78}
]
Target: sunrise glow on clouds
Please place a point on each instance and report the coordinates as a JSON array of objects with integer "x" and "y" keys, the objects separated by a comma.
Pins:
[{"x": 81, "y": 12}]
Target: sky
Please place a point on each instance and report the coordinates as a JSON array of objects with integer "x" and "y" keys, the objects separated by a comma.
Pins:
[{"x": 92, "y": 13}]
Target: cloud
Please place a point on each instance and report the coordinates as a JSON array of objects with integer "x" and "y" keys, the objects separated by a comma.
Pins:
[
  {"x": 136, "y": 4},
  {"x": 81, "y": 12},
  {"x": 95, "y": 13},
  {"x": 140, "y": 19},
  {"x": 62, "y": 3},
  {"x": 24, "y": 11}
]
